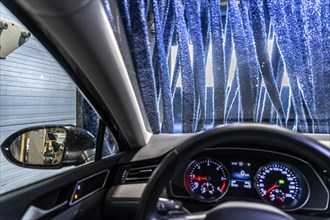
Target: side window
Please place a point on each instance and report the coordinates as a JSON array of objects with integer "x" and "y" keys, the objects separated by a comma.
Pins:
[
  {"x": 90, "y": 123},
  {"x": 109, "y": 144},
  {"x": 36, "y": 90}
]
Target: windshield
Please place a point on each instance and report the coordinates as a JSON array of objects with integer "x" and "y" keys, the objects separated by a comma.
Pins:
[{"x": 201, "y": 64}]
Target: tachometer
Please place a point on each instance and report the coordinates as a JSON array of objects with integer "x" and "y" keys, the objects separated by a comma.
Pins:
[
  {"x": 281, "y": 185},
  {"x": 206, "y": 179}
]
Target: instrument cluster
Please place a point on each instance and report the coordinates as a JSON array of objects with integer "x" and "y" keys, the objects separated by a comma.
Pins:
[
  {"x": 279, "y": 180},
  {"x": 277, "y": 183}
]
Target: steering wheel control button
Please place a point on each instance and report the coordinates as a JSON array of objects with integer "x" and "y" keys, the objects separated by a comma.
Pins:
[
  {"x": 281, "y": 185},
  {"x": 206, "y": 179}
]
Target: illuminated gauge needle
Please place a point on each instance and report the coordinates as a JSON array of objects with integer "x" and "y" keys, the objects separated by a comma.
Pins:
[
  {"x": 270, "y": 189},
  {"x": 274, "y": 186},
  {"x": 210, "y": 189},
  {"x": 199, "y": 178},
  {"x": 223, "y": 186}
]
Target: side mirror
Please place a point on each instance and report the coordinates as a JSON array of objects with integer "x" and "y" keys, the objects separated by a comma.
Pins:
[{"x": 49, "y": 147}]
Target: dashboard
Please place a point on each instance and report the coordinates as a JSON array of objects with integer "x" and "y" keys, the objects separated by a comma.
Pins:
[
  {"x": 219, "y": 175},
  {"x": 216, "y": 176}
]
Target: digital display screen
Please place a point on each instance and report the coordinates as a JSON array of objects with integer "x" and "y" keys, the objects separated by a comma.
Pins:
[{"x": 240, "y": 175}]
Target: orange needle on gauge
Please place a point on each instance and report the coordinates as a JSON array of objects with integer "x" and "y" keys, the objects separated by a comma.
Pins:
[
  {"x": 270, "y": 189},
  {"x": 223, "y": 186},
  {"x": 199, "y": 178}
]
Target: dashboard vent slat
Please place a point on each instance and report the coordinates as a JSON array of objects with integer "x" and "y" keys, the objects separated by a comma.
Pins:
[{"x": 137, "y": 174}]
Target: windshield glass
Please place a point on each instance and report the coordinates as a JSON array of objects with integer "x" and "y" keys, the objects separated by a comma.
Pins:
[{"x": 201, "y": 64}]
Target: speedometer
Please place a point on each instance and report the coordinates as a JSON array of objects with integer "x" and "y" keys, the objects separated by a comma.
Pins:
[
  {"x": 281, "y": 185},
  {"x": 206, "y": 179}
]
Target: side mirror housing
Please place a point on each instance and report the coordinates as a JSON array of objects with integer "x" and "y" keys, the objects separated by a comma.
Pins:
[{"x": 49, "y": 147}]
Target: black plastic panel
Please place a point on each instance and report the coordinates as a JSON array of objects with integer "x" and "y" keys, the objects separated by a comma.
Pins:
[{"x": 89, "y": 186}]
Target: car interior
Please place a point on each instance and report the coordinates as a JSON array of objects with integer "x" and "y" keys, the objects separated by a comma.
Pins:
[{"x": 245, "y": 170}]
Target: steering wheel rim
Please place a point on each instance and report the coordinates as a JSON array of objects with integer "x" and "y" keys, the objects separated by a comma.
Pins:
[{"x": 245, "y": 135}]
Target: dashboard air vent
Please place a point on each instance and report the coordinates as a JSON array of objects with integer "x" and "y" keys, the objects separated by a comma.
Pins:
[{"x": 137, "y": 174}]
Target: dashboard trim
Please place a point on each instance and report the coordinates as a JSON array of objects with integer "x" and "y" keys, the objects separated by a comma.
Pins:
[{"x": 125, "y": 191}]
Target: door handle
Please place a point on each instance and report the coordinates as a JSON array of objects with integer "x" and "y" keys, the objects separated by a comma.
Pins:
[{"x": 34, "y": 212}]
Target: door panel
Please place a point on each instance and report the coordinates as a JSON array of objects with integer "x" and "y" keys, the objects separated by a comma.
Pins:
[{"x": 51, "y": 197}]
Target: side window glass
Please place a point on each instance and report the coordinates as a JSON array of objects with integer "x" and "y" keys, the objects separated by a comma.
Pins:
[
  {"x": 109, "y": 144},
  {"x": 90, "y": 122},
  {"x": 89, "y": 119},
  {"x": 35, "y": 90}
]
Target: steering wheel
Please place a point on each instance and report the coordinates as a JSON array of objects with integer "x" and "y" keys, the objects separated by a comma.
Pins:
[{"x": 243, "y": 135}]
